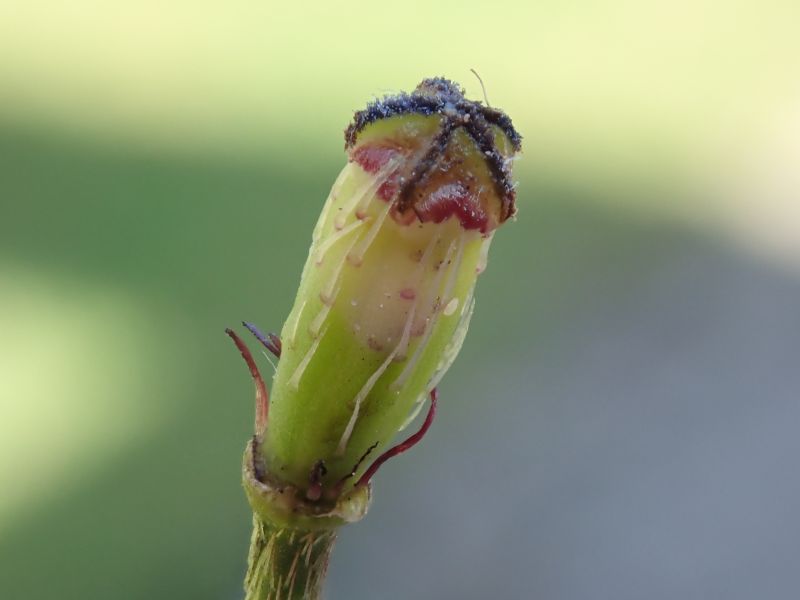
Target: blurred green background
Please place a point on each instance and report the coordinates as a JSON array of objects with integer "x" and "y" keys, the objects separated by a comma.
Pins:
[{"x": 622, "y": 420}]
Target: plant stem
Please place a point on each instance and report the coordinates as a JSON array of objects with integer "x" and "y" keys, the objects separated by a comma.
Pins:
[
  {"x": 292, "y": 538},
  {"x": 377, "y": 321},
  {"x": 287, "y": 563}
]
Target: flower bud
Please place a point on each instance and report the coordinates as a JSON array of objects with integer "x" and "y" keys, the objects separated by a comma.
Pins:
[{"x": 386, "y": 294}]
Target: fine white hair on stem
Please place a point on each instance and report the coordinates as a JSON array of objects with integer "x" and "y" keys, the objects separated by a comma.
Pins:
[
  {"x": 329, "y": 293},
  {"x": 364, "y": 195},
  {"x": 455, "y": 344},
  {"x": 293, "y": 330},
  {"x": 418, "y": 404},
  {"x": 483, "y": 87},
  {"x": 367, "y": 388},
  {"x": 335, "y": 237},
  {"x": 294, "y": 381},
  {"x": 409, "y": 368},
  {"x": 399, "y": 350},
  {"x": 269, "y": 360},
  {"x": 357, "y": 256},
  {"x": 329, "y": 202}
]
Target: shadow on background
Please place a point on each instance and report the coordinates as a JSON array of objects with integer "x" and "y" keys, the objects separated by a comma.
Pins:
[{"x": 619, "y": 424}]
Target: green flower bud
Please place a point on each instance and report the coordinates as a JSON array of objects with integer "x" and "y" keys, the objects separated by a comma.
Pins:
[{"x": 386, "y": 294}]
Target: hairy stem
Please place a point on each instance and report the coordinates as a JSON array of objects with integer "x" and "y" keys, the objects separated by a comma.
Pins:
[
  {"x": 292, "y": 537},
  {"x": 287, "y": 563}
]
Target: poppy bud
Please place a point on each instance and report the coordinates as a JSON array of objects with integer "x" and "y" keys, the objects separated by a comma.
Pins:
[{"x": 386, "y": 294}]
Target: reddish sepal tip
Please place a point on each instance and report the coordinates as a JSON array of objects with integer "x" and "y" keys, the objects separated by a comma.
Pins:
[{"x": 262, "y": 395}]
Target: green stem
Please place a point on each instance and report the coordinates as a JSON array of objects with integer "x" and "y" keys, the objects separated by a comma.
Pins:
[
  {"x": 287, "y": 563},
  {"x": 292, "y": 537}
]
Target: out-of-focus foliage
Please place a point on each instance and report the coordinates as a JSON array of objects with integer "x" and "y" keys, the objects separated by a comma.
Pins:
[{"x": 631, "y": 374}]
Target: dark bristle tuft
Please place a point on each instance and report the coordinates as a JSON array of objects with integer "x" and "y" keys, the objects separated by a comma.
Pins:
[
  {"x": 439, "y": 87},
  {"x": 432, "y": 96},
  {"x": 440, "y": 96}
]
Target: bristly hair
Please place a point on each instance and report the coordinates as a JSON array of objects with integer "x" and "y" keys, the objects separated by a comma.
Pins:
[{"x": 435, "y": 95}]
